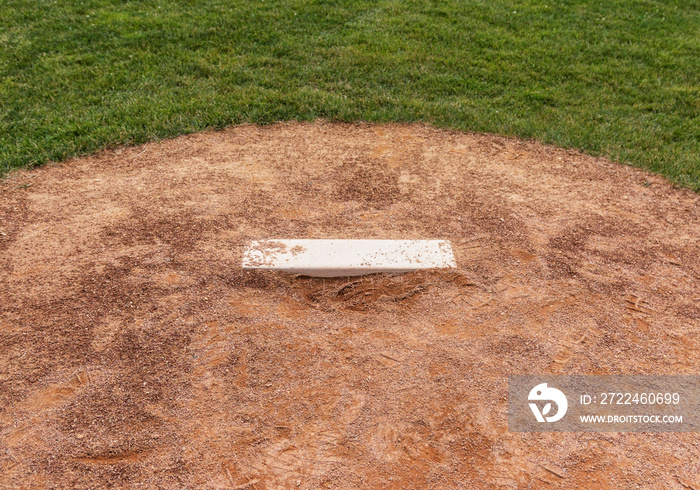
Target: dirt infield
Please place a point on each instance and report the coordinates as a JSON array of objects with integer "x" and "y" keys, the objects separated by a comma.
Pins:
[{"x": 134, "y": 351}]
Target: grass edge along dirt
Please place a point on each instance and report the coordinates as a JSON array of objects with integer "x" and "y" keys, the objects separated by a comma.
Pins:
[{"x": 615, "y": 78}]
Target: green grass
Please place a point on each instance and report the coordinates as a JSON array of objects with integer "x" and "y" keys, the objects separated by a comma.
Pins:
[{"x": 619, "y": 78}]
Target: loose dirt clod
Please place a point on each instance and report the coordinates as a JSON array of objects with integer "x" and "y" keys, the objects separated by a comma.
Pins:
[{"x": 133, "y": 349}]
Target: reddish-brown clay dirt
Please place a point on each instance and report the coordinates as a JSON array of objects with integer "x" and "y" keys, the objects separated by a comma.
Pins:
[{"x": 135, "y": 352}]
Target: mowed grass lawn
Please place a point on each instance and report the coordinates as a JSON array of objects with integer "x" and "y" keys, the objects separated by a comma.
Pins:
[{"x": 619, "y": 78}]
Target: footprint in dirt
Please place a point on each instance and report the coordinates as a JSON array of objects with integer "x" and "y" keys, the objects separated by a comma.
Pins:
[{"x": 358, "y": 294}]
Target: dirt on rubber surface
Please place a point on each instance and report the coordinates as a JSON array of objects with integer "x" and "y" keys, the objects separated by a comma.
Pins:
[{"x": 135, "y": 352}]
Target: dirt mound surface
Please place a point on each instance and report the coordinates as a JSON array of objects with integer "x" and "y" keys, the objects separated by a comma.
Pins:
[{"x": 133, "y": 349}]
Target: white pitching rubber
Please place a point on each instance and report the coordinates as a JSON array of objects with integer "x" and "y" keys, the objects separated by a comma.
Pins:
[{"x": 335, "y": 258}]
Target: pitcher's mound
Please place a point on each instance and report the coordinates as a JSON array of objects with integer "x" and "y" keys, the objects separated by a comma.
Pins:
[{"x": 133, "y": 349}]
